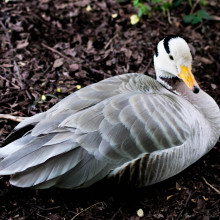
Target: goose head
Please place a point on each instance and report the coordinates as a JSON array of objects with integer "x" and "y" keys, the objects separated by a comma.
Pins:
[{"x": 173, "y": 59}]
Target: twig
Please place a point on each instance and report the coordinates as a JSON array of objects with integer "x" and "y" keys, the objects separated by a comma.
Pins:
[
  {"x": 116, "y": 213},
  {"x": 189, "y": 197},
  {"x": 17, "y": 87},
  {"x": 194, "y": 6},
  {"x": 43, "y": 217},
  {"x": 211, "y": 186},
  {"x": 216, "y": 202},
  {"x": 57, "y": 52},
  {"x": 168, "y": 16},
  {"x": 99, "y": 72},
  {"x": 11, "y": 47},
  {"x": 6, "y": 34},
  {"x": 110, "y": 41},
  {"x": 84, "y": 210},
  {"x": 12, "y": 117},
  {"x": 146, "y": 68},
  {"x": 48, "y": 209},
  {"x": 6, "y": 100},
  {"x": 18, "y": 73}
]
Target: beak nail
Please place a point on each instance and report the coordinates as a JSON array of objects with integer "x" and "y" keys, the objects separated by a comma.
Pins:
[{"x": 195, "y": 89}]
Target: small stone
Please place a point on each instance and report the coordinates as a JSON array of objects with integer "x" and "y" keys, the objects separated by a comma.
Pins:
[
  {"x": 134, "y": 19},
  {"x": 115, "y": 15},
  {"x": 88, "y": 8},
  {"x": 78, "y": 86},
  {"x": 43, "y": 98},
  {"x": 58, "y": 89},
  {"x": 140, "y": 212}
]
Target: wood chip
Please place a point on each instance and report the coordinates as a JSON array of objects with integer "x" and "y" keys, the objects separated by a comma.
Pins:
[
  {"x": 58, "y": 62},
  {"x": 22, "y": 45}
]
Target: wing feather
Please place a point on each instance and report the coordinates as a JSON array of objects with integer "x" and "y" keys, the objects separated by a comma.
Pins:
[
  {"x": 54, "y": 168},
  {"x": 33, "y": 154}
]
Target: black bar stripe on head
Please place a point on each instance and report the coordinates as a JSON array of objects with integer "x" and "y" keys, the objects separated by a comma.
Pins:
[{"x": 166, "y": 42}]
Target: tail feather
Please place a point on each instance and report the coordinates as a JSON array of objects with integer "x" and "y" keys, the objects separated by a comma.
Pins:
[
  {"x": 52, "y": 169},
  {"x": 15, "y": 154},
  {"x": 84, "y": 174},
  {"x": 14, "y": 146},
  {"x": 28, "y": 152}
]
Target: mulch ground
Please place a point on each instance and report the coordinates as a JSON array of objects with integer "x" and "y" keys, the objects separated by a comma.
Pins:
[{"x": 51, "y": 48}]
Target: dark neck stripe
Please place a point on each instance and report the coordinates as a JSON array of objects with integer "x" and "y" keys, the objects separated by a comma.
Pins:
[
  {"x": 172, "y": 82},
  {"x": 166, "y": 42},
  {"x": 156, "y": 51}
]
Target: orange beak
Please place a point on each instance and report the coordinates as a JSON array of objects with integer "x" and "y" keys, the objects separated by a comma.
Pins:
[{"x": 188, "y": 78}]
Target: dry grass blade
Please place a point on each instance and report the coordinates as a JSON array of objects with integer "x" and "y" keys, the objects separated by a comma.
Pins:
[
  {"x": 102, "y": 203},
  {"x": 211, "y": 186},
  {"x": 57, "y": 52}
]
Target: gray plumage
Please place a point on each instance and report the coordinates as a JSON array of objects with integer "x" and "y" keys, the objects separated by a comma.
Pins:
[{"x": 128, "y": 126}]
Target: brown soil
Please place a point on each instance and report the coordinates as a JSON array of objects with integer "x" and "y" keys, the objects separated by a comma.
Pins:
[{"x": 50, "y": 45}]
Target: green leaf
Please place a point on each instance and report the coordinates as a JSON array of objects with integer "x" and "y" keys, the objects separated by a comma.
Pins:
[
  {"x": 203, "y": 14},
  {"x": 192, "y": 19},
  {"x": 140, "y": 12},
  {"x": 136, "y": 3},
  {"x": 166, "y": 5},
  {"x": 203, "y": 2},
  {"x": 157, "y": 1},
  {"x": 196, "y": 20},
  {"x": 188, "y": 18},
  {"x": 177, "y": 3}
]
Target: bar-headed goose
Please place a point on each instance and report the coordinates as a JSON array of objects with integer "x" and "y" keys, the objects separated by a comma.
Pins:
[{"x": 131, "y": 127}]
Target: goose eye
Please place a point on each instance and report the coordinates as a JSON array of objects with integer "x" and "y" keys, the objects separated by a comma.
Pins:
[{"x": 171, "y": 57}]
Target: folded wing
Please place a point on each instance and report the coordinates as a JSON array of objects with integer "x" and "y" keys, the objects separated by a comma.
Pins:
[{"x": 95, "y": 131}]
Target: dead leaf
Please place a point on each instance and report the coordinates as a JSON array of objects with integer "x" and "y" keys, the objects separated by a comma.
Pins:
[
  {"x": 17, "y": 27},
  {"x": 109, "y": 62},
  {"x": 102, "y": 5},
  {"x": 44, "y": 1},
  {"x": 7, "y": 65},
  {"x": 21, "y": 63},
  {"x": 178, "y": 186},
  {"x": 58, "y": 62},
  {"x": 74, "y": 67},
  {"x": 89, "y": 45},
  {"x": 213, "y": 86},
  {"x": 158, "y": 215},
  {"x": 82, "y": 3},
  {"x": 22, "y": 45},
  {"x": 127, "y": 52},
  {"x": 206, "y": 60},
  {"x": 70, "y": 51}
]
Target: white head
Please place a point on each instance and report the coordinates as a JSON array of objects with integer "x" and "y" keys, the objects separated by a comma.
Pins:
[{"x": 173, "y": 59}]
